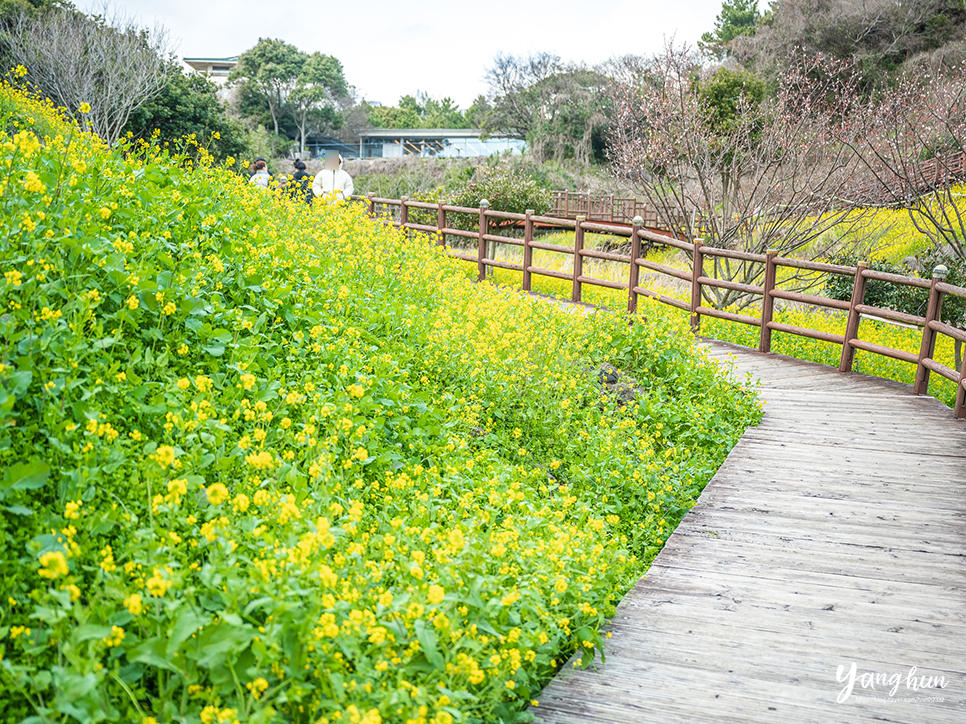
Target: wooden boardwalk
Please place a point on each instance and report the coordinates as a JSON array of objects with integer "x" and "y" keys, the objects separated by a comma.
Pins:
[{"x": 834, "y": 534}]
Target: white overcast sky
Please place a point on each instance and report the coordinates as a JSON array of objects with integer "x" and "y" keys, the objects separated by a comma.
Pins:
[{"x": 443, "y": 47}]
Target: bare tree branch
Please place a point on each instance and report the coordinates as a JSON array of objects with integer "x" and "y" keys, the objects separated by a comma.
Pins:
[{"x": 108, "y": 62}]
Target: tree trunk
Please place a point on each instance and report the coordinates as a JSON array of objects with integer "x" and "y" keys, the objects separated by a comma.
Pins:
[{"x": 271, "y": 109}]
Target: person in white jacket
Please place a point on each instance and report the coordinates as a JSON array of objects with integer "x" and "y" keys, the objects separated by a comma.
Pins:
[
  {"x": 261, "y": 177},
  {"x": 332, "y": 178}
]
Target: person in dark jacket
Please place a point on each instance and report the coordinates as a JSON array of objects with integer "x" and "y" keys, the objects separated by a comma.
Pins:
[{"x": 301, "y": 183}]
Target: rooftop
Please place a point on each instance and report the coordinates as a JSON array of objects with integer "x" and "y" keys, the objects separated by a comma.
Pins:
[
  {"x": 232, "y": 59},
  {"x": 423, "y": 133}
]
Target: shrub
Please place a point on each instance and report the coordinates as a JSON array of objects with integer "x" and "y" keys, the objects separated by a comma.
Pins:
[
  {"x": 886, "y": 295},
  {"x": 505, "y": 189}
]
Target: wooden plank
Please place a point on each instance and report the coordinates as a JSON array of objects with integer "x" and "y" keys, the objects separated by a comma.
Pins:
[{"x": 834, "y": 532}]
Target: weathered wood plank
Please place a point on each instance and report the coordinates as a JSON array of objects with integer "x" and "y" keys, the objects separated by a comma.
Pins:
[{"x": 834, "y": 533}]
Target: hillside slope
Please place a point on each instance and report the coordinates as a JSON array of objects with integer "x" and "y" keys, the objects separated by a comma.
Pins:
[{"x": 270, "y": 463}]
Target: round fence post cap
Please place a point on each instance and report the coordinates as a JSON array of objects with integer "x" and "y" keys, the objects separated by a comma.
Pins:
[
  {"x": 638, "y": 221},
  {"x": 940, "y": 272},
  {"x": 484, "y": 203}
]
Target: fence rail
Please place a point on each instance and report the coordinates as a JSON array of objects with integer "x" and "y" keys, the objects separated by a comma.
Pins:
[
  {"x": 610, "y": 210},
  {"x": 396, "y": 212}
]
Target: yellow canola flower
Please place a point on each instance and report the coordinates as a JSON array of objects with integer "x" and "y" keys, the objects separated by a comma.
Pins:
[
  {"x": 258, "y": 687},
  {"x": 157, "y": 586},
  {"x": 436, "y": 594},
  {"x": 33, "y": 184},
  {"x": 133, "y": 604},
  {"x": 217, "y": 494},
  {"x": 85, "y": 107},
  {"x": 261, "y": 461},
  {"x": 164, "y": 456},
  {"x": 53, "y": 564},
  {"x": 241, "y": 503},
  {"x": 116, "y": 637}
]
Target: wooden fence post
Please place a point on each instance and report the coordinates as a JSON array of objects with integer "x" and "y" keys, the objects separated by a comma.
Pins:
[
  {"x": 527, "y": 249},
  {"x": 481, "y": 246},
  {"x": 768, "y": 301},
  {"x": 852, "y": 325},
  {"x": 959, "y": 409},
  {"x": 578, "y": 257},
  {"x": 441, "y": 224},
  {"x": 635, "y": 269},
  {"x": 403, "y": 212},
  {"x": 928, "y": 346},
  {"x": 371, "y": 205},
  {"x": 697, "y": 271}
]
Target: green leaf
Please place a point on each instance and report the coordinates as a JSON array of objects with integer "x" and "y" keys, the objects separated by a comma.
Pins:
[
  {"x": 216, "y": 643},
  {"x": 21, "y": 381},
  {"x": 89, "y": 631},
  {"x": 27, "y": 476},
  {"x": 427, "y": 640},
  {"x": 18, "y": 510},
  {"x": 186, "y": 625},
  {"x": 152, "y": 652}
]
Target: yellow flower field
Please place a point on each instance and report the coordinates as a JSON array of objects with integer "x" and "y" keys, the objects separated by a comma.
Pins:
[{"x": 265, "y": 462}]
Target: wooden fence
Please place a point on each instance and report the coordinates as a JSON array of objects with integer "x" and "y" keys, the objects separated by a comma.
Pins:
[
  {"x": 396, "y": 212},
  {"x": 921, "y": 179},
  {"x": 610, "y": 210}
]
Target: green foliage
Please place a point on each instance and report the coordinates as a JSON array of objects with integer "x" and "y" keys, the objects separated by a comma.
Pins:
[
  {"x": 421, "y": 111},
  {"x": 737, "y": 18},
  {"x": 189, "y": 106},
  {"x": 561, "y": 109},
  {"x": 10, "y": 9},
  {"x": 311, "y": 101},
  {"x": 726, "y": 94},
  {"x": 269, "y": 69},
  {"x": 954, "y": 308},
  {"x": 877, "y": 293},
  {"x": 259, "y": 141},
  {"x": 391, "y": 117},
  {"x": 505, "y": 189},
  {"x": 292, "y": 91},
  {"x": 882, "y": 39},
  {"x": 267, "y": 462},
  {"x": 476, "y": 115},
  {"x": 899, "y": 297}
]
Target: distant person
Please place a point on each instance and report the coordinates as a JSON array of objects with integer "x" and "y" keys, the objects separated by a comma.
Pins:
[
  {"x": 261, "y": 177},
  {"x": 251, "y": 169},
  {"x": 332, "y": 178},
  {"x": 301, "y": 184}
]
